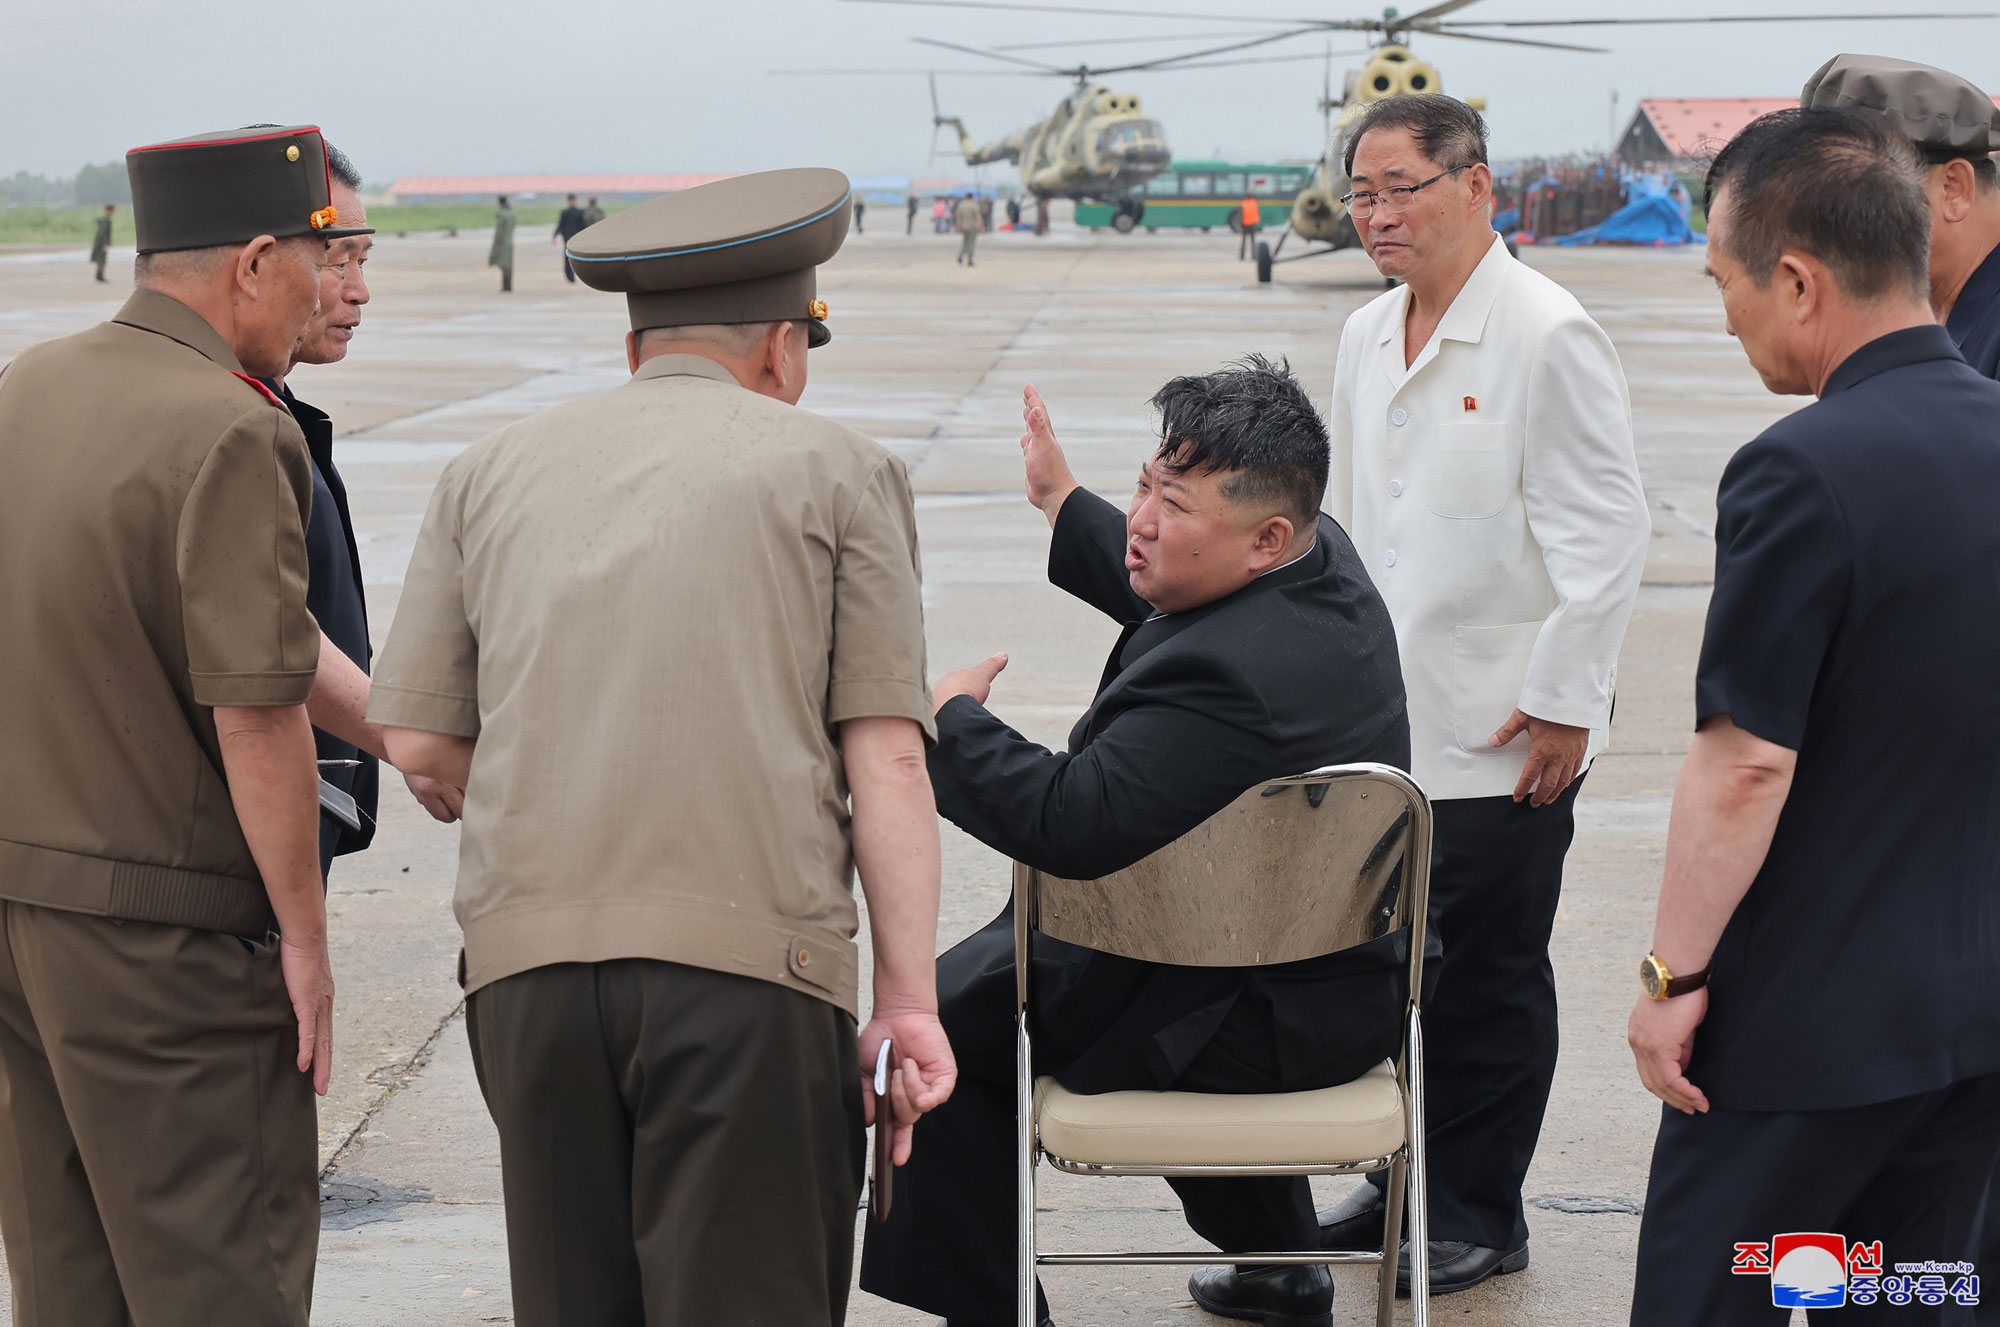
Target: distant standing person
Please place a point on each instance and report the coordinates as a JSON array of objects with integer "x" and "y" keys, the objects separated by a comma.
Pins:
[
  {"x": 910, "y": 222},
  {"x": 1041, "y": 216},
  {"x": 100, "y": 244},
  {"x": 971, "y": 220},
  {"x": 1249, "y": 218},
  {"x": 569, "y": 223},
  {"x": 502, "y": 253},
  {"x": 940, "y": 218},
  {"x": 986, "y": 214},
  {"x": 592, "y": 213},
  {"x": 860, "y": 208},
  {"x": 1013, "y": 211}
]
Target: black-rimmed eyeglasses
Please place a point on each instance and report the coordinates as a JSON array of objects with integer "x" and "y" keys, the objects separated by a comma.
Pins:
[{"x": 1394, "y": 200}]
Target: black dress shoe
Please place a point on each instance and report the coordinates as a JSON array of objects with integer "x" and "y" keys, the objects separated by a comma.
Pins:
[
  {"x": 1456, "y": 1265},
  {"x": 1354, "y": 1224},
  {"x": 1043, "y": 1321},
  {"x": 1299, "y": 1296}
]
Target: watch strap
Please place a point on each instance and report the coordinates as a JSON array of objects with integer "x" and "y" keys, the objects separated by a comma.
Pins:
[{"x": 1694, "y": 981}]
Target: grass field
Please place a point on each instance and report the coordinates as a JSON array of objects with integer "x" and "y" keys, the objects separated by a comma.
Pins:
[{"x": 75, "y": 225}]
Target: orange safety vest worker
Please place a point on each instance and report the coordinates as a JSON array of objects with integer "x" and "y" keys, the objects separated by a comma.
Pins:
[{"x": 1250, "y": 213}]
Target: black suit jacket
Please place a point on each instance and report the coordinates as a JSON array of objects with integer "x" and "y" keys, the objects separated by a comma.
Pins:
[
  {"x": 570, "y": 222},
  {"x": 1297, "y": 669}
]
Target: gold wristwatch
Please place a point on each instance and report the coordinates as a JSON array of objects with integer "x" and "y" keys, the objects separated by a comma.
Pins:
[{"x": 1660, "y": 984}]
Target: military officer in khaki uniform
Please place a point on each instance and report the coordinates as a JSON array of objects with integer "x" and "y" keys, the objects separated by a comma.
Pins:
[
  {"x": 159, "y": 1047},
  {"x": 670, "y": 641}
]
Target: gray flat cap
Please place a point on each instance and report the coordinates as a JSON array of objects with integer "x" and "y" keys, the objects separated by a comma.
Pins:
[{"x": 1942, "y": 112}]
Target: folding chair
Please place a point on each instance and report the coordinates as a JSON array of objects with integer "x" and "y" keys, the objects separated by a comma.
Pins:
[{"x": 1293, "y": 869}]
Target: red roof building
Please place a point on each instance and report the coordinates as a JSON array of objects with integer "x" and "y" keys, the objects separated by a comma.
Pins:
[{"x": 1670, "y": 129}]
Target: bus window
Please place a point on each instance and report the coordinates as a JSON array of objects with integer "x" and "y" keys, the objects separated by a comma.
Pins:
[
  {"x": 1229, "y": 185},
  {"x": 1164, "y": 186},
  {"x": 1197, "y": 184},
  {"x": 1291, "y": 181},
  {"x": 1263, "y": 186}
]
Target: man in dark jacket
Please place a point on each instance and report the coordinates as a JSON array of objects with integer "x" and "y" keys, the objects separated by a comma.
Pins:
[
  {"x": 333, "y": 591},
  {"x": 1254, "y": 647},
  {"x": 568, "y": 225}
]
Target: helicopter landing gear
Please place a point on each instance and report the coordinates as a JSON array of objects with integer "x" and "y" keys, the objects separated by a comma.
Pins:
[
  {"x": 1126, "y": 219},
  {"x": 1263, "y": 263}
]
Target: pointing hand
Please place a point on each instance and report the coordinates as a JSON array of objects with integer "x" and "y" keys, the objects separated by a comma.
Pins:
[{"x": 976, "y": 681}]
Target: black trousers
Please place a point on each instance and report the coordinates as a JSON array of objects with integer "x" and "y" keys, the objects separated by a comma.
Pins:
[
  {"x": 1490, "y": 1034},
  {"x": 676, "y": 1145},
  {"x": 1909, "y": 1172},
  {"x": 948, "y": 1245},
  {"x": 569, "y": 273}
]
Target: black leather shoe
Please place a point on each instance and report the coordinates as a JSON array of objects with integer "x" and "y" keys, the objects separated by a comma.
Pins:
[
  {"x": 1456, "y": 1265},
  {"x": 1043, "y": 1321},
  {"x": 1354, "y": 1224},
  {"x": 1275, "y": 1296}
]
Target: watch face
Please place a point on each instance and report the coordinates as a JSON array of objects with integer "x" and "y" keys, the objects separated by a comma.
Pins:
[{"x": 1649, "y": 976}]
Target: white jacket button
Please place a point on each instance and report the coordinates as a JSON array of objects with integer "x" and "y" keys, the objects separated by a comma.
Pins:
[
  {"x": 1389, "y": 558},
  {"x": 1395, "y": 488},
  {"x": 1399, "y": 417}
]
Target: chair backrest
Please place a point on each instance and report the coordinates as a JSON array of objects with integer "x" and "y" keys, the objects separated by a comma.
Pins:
[{"x": 1294, "y": 868}]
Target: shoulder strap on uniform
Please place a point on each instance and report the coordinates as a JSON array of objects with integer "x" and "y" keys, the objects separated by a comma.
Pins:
[{"x": 264, "y": 391}]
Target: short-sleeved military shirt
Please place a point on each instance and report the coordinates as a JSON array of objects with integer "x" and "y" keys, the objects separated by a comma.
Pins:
[
  {"x": 153, "y": 506},
  {"x": 1856, "y": 621},
  {"x": 652, "y": 607}
]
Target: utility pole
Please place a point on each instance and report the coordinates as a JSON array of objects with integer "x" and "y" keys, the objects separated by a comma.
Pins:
[{"x": 1611, "y": 129}]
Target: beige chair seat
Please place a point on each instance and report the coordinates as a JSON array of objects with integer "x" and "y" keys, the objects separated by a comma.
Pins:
[{"x": 1353, "y": 1122}]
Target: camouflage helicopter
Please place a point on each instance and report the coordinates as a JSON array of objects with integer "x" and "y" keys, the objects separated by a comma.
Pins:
[
  {"x": 1097, "y": 145},
  {"x": 1319, "y": 217}
]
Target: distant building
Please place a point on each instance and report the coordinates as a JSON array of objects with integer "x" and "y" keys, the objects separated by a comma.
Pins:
[
  {"x": 1682, "y": 131},
  {"x": 466, "y": 188}
]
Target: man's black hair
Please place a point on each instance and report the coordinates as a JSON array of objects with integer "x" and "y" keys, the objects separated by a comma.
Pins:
[
  {"x": 1255, "y": 425},
  {"x": 338, "y": 166},
  {"x": 1450, "y": 132},
  {"x": 1839, "y": 184}
]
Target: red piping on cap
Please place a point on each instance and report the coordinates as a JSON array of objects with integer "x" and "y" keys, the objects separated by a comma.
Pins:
[{"x": 224, "y": 142}]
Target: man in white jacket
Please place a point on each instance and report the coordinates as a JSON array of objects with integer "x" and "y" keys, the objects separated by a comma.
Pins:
[{"x": 1483, "y": 465}]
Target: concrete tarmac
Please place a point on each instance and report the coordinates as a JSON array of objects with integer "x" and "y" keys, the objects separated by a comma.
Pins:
[{"x": 930, "y": 358}]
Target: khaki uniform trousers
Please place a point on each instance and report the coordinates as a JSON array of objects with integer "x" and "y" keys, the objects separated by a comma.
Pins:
[
  {"x": 158, "y": 1146},
  {"x": 677, "y": 1146}
]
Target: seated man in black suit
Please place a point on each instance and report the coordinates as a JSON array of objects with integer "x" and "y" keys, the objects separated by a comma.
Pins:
[{"x": 1254, "y": 647}]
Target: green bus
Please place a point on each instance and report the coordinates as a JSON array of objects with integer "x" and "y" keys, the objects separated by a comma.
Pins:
[{"x": 1203, "y": 194}]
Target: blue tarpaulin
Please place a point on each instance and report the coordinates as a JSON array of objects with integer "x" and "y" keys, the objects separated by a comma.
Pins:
[{"x": 1656, "y": 212}]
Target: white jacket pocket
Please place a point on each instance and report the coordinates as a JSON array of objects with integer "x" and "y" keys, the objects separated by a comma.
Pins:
[
  {"x": 1471, "y": 472},
  {"x": 1489, "y": 666}
]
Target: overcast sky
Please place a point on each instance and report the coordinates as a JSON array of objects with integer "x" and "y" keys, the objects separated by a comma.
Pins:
[{"x": 493, "y": 86}]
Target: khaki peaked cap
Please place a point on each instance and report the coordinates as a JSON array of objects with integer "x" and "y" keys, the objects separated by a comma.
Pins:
[
  {"x": 232, "y": 185},
  {"x": 1943, "y": 113},
  {"x": 741, "y": 250}
]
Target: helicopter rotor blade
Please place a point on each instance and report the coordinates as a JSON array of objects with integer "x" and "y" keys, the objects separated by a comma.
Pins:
[
  {"x": 1434, "y": 12},
  {"x": 989, "y": 55},
  {"x": 1253, "y": 60},
  {"x": 1172, "y": 61},
  {"x": 1720, "y": 18},
  {"x": 1120, "y": 41},
  {"x": 1456, "y": 35},
  {"x": 914, "y": 69},
  {"x": 1016, "y": 5}
]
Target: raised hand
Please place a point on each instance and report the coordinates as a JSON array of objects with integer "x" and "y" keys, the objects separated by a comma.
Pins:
[
  {"x": 1049, "y": 479},
  {"x": 976, "y": 681}
]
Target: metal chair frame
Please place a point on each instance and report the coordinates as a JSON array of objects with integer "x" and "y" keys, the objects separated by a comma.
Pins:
[{"x": 1405, "y": 1165}]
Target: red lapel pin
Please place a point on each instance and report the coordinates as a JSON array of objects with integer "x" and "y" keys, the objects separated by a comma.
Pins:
[{"x": 1471, "y": 404}]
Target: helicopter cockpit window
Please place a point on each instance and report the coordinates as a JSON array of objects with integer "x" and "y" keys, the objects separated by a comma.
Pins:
[
  {"x": 1164, "y": 186},
  {"x": 1230, "y": 184},
  {"x": 1132, "y": 133},
  {"x": 1197, "y": 184}
]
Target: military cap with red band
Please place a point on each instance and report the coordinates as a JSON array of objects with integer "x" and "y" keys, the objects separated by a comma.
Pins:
[
  {"x": 741, "y": 250},
  {"x": 230, "y": 186}
]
